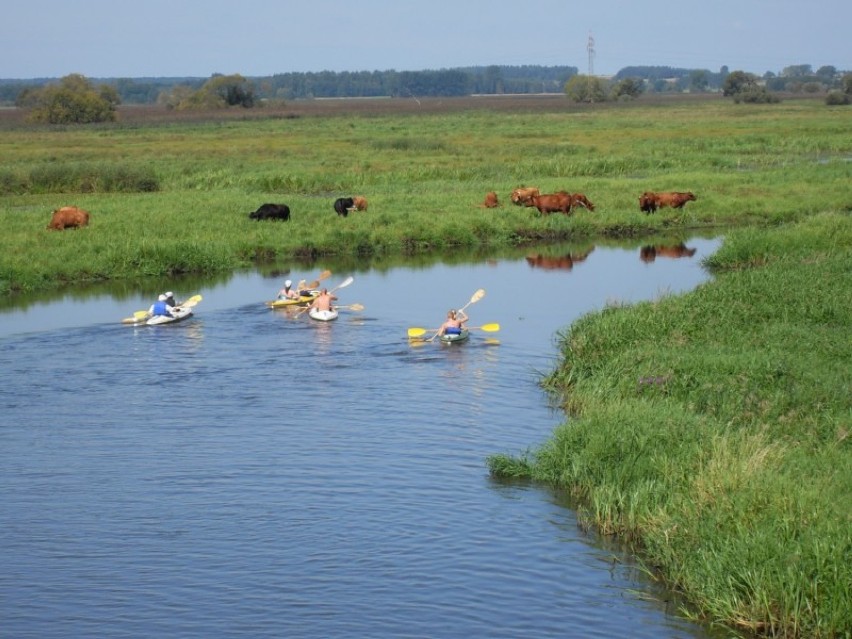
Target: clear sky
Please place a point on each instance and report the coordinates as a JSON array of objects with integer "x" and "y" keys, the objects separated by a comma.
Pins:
[{"x": 172, "y": 38}]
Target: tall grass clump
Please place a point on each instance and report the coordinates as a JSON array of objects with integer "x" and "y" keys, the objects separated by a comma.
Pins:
[
  {"x": 90, "y": 177},
  {"x": 712, "y": 431}
]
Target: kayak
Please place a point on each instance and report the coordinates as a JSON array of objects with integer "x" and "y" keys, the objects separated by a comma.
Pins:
[
  {"x": 322, "y": 316},
  {"x": 453, "y": 338},
  {"x": 295, "y": 301},
  {"x": 179, "y": 313}
]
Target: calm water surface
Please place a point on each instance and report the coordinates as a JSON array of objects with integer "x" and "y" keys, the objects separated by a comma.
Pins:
[{"x": 248, "y": 473}]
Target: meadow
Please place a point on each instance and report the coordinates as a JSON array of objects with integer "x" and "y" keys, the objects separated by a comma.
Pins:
[
  {"x": 710, "y": 430},
  {"x": 173, "y": 195}
]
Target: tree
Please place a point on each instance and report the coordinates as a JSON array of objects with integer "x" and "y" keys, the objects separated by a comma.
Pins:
[
  {"x": 628, "y": 88},
  {"x": 73, "y": 101},
  {"x": 585, "y": 88},
  {"x": 698, "y": 80},
  {"x": 737, "y": 82}
]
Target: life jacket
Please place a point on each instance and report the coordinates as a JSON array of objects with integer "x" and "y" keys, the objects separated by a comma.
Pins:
[{"x": 160, "y": 309}]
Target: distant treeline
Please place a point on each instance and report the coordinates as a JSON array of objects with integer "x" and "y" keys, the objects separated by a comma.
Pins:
[{"x": 443, "y": 82}]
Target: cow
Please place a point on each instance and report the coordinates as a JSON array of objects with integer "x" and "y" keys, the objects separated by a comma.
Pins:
[
  {"x": 68, "y": 217},
  {"x": 552, "y": 202},
  {"x": 649, "y": 253},
  {"x": 360, "y": 203},
  {"x": 522, "y": 196},
  {"x": 490, "y": 201},
  {"x": 271, "y": 212},
  {"x": 578, "y": 199},
  {"x": 650, "y": 201},
  {"x": 343, "y": 205}
]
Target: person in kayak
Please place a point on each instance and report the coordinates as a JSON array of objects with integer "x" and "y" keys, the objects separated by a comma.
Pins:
[
  {"x": 322, "y": 302},
  {"x": 454, "y": 324},
  {"x": 287, "y": 293},
  {"x": 161, "y": 307},
  {"x": 170, "y": 299}
]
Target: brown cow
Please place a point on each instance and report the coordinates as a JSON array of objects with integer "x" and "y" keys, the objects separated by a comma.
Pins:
[
  {"x": 68, "y": 217},
  {"x": 490, "y": 201},
  {"x": 578, "y": 199},
  {"x": 649, "y": 253},
  {"x": 552, "y": 202},
  {"x": 523, "y": 196},
  {"x": 360, "y": 203},
  {"x": 651, "y": 201}
]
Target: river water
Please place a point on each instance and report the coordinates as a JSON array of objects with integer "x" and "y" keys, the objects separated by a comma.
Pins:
[{"x": 250, "y": 473}]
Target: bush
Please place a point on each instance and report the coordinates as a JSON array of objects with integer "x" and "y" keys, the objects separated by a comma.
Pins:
[{"x": 836, "y": 98}]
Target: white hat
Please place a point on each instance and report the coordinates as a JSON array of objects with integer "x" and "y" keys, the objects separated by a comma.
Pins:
[
  {"x": 169, "y": 294},
  {"x": 288, "y": 284},
  {"x": 162, "y": 298}
]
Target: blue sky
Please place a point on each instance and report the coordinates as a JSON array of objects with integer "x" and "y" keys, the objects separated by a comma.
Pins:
[{"x": 117, "y": 38}]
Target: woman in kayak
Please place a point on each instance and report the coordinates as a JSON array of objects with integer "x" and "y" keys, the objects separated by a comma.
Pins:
[
  {"x": 161, "y": 307},
  {"x": 454, "y": 324},
  {"x": 287, "y": 293}
]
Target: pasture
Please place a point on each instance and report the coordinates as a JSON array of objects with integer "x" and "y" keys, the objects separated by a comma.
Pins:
[{"x": 171, "y": 192}]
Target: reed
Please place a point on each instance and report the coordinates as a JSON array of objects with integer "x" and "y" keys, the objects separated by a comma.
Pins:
[{"x": 712, "y": 430}]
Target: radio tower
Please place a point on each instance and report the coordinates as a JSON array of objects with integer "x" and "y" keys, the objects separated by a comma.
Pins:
[{"x": 590, "y": 47}]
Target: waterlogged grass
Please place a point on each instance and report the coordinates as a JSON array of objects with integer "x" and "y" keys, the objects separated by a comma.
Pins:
[
  {"x": 712, "y": 429},
  {"x": 173, "y": 197}
]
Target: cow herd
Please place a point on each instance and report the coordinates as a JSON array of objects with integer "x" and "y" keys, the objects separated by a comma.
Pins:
[
  {"x": 564, "y": 202},
  {"x": 559, "y": 202}
]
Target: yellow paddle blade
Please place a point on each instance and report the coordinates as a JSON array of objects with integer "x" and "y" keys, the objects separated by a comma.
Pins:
[
  {"x": 192, "y": 301},
  {"x": 353, "y": 307},
  {"x": 140, "y": 315},
  {"x": 490, "y": 328},
  {"x": 477, "y": 296},
  {"x": 417, "y": 332},
  {"x": 314, "y": 284},
  {"x": 323, "y": 276}
]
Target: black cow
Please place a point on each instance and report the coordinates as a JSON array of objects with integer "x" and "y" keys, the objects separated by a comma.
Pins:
[
  {"x": 271, "y": 212},
  {"x": 343, "y": 204}
]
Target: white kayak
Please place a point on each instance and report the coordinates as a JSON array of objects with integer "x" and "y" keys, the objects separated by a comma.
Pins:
[
  {"x": 178, "y": 313},
  {"x": 323, "y": 316}
]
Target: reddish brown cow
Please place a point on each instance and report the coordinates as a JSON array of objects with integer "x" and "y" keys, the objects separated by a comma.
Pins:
[
  {"x": 360, "y": 203},
  {"x": 651, "y": 201},
  {"x": 490, "y": 201},
  {"x": 649, "y": 253},
  {"x": 68, "y": 217},
  {"x": 552, "y": 202},
  {"x": 578, "y": 199},
  {"x": 523, "y": 196}
]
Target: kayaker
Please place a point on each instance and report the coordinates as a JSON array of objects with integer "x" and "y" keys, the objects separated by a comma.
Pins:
[
  {"x": 170, "y": 299},
  {"x": 322, "y": 302},
  {"x": 161, "y": 307},
  {"x": 454, "y": 323},
  {"x": 287, "y": 293}
]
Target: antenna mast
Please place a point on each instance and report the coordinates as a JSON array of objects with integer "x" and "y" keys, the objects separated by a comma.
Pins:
[{"x": 590, "y": 47}]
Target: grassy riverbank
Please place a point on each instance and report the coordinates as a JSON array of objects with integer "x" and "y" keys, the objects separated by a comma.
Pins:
[
  {"x": 712, "y": 430},
  {"x": 173, "y": 196}
]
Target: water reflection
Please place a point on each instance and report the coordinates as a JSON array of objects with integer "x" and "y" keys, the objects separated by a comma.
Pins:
[
  {"x": 560, "y": 262},
  {"x": 649, "y": 253}
]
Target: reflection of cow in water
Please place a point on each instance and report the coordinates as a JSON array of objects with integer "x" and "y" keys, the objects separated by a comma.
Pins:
[
  {"x": 562, "y": 262},
  {"x": 649, "y": 253}
]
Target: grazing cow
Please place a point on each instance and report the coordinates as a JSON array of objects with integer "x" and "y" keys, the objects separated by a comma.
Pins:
[
  {"x": 523, "y": 196},
  {"x": 271, "y": 212},
  {"x": 552, "y": 202},
  {"x": 360, "y": 203},
  {"x": 343, "y": 205},
  {"x": 578, "y": 199},
  {"x": 68, "y": 217},
  {"x": 651, "y": 201},
  {"x": 649, "y": 253},
  {"x": 490, "y": 201}
]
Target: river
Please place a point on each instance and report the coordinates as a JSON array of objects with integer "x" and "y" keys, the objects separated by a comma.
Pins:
[{"x": 251, "y": 473}]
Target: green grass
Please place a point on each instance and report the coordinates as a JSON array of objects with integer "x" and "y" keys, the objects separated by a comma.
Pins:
[
  {"x": 174, "y": 197},
  {"x": 712, "y": 430}
]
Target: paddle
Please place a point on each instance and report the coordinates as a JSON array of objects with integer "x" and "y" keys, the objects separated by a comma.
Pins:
[
  {"x": 343, "y": 284},
  {"x": 315, "y": 283},
  {"x": 350, "y": 307},
  {"x": 192, "y": 301},
  {"x": 478, "y": 295},
  {"x": 488, "y": 328}
]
